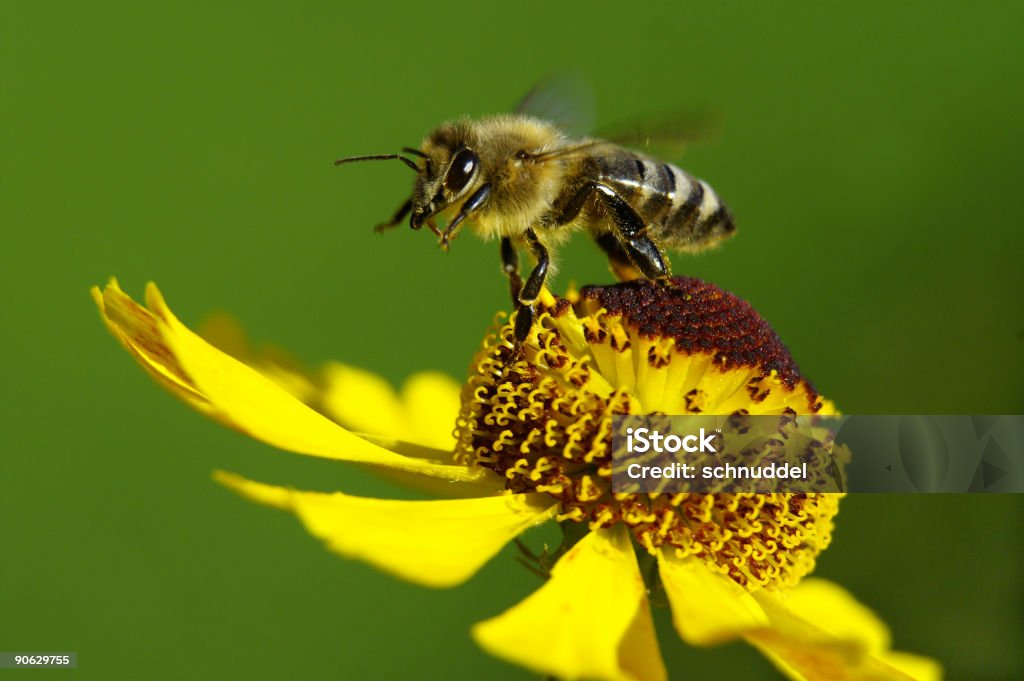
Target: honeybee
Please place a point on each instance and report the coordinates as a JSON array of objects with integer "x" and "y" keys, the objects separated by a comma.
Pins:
[{"x": 527, "y": 182}]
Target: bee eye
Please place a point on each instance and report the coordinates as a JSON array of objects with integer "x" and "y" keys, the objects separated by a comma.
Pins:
[{"x": 461, "y": 171}]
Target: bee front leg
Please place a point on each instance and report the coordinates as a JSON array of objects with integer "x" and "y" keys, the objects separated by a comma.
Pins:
[
  {"x": 397, "y": 218},
  {"x": 510, "y": 266},
  {"x": 531, "y": 290},
  {"x": 472, "y": 205}
]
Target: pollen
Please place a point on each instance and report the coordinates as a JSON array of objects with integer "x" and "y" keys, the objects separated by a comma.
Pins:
[{"x": 540, "y": 416}]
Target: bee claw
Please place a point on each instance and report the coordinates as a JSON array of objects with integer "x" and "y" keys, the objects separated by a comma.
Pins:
[{"x": 433, "y": 228}]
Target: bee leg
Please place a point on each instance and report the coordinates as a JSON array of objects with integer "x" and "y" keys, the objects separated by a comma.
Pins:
[
  {"x": 631, "y": 251},
  {"x": 619, "y": 261},
  {"x": 398, "y": 217},
  {"x": 510, "y": 266},
  {"x": 472, "y": 204},
  {"x": 646, "y": 255},
  {"x": 531, "y": 290},
  {"x": 632, "y": 233}
]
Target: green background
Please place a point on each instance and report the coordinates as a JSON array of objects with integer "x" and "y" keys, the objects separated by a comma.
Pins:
[{"x": 872, "y": 159}]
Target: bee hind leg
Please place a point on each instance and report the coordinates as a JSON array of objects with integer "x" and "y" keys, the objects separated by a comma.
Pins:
[
  {"x": 531, "y": 289},
  {"x": 632, "y": 253},
  {"x": 631, "y": 236},
  {"x": 619, "y": 261},
  {"x": 646, "y": 256}
]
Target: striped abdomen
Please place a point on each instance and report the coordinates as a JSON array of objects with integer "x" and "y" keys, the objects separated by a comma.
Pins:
[{"x": 681, "y": 212}]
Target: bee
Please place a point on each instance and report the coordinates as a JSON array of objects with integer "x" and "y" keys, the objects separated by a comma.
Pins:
[{"x": 529, "y": 183}]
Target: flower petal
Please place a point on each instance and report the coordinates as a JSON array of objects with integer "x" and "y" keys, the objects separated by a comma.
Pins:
[
  {"x": 225, "y": 333},
  {"x": 819, "y": 631},
  {"x": 917, "y": 667},
  {"x": 361, "y": 399},
  {"x": 432, "y": 402},
  {"x": 707, "y": 606},
  {"x": 424, "y": 413},
  {"x": 222, "y": 386},
  {"x": 590, "y": 620},
  {"x": 434, "y": 543},
  {"x": 834, "y": 610},
  {"x": 139, "y": 332},
  {"x": 639, "y": 654}
]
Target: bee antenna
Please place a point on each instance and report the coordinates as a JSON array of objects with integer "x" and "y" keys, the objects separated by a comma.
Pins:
[
  {"x": 380, "y": 157},
  {"x": 414, "y": 152}
]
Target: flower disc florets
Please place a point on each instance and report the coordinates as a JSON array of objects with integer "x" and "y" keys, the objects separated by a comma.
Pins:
[{"x": 541, "y": 418}]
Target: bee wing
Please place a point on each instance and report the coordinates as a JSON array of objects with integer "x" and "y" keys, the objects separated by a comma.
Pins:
[
  {"x": 665, "y": 135},
  {"x": 565, "y": 99}
]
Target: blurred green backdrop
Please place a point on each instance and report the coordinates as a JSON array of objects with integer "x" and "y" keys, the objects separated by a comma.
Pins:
[{"x": 871, "y": 155}]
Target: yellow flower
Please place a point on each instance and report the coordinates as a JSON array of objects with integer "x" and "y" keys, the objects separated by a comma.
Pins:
[{"x": 531, "y": 443}]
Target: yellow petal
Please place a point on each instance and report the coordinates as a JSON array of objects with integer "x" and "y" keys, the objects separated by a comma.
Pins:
[
  {"x": 819, "y": 631},
  {"x": 803, "y": 661},
  {"x": 434, "y": 543},
  {"x": 707, "y": 606},
  {"x": 431, "y": 401},
  {"x": 836, "y": 612},
  {"x": 639, "y": 655},
  {"x": 590, "y": 620},
  {"x": 916, "y": 667},
  {"x": 138, "y": 330},
  {"x": 225, "y": 333},
  {"x": 362, "y": 400},
  {"x": 229, "y": 390},
  {"x": 424, "y": 413}
]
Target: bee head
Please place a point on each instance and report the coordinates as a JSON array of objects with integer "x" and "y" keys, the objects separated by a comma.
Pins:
[{"x": 451, "y": 168}]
